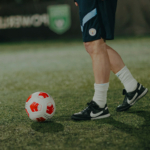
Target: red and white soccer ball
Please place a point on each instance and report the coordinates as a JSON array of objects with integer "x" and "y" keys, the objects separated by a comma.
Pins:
[{"x": 40, "y": 107}]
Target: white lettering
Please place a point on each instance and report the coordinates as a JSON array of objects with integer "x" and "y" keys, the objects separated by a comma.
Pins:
[
  {"x": 26, "y": 21},
  {"x": 1, "y": 25},
  {"x": 45, "y": 19},
  {"x": 19, "y": 21},
  {"x": 36, "y": 21},
  {"x": 5, "y": 23},
  {"x": 11, "y": 21}
]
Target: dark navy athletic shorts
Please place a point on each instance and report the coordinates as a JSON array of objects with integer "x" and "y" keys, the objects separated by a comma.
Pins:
[{"x": 97, "y": 18}]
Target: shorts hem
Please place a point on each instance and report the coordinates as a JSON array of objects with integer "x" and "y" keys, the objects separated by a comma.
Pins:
[{"x": 98, "y": 39}]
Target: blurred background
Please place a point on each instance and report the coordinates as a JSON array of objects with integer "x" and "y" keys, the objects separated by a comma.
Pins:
[
  {"x": 41, "y": 50},
  {"x": 57, "y": 19}
]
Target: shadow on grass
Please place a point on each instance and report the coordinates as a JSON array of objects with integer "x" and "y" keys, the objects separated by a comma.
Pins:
[
  {"x": 141, "y": 132},
  {"x": 63, "y": 118},
  {"x": 47, "y": 127}
]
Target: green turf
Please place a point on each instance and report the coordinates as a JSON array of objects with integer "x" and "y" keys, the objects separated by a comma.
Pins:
[{"x": 64, "y": 70}]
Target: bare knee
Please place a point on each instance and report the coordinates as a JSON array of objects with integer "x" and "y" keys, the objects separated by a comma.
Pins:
[
  {"x": 95, "y": 47},
  {"x": 89, "y": 46}
]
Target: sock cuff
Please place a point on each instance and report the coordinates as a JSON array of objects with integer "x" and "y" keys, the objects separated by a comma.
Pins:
[
  {"x": 101, "y": 87},
  {"x": 121, "y": 71}
]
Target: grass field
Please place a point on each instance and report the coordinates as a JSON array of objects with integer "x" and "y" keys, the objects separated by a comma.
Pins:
[{"x": 64, "y": 70}]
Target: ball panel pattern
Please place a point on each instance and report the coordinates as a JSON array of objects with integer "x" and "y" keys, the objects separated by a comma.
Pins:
[
  {"x": 34, "y": 107},
  {"x": 50, "y": 108},
  {"x": 29, "y": 98},
  {"x": 44, "y": 95},
  {"x": 27, "y": 112},
  {"x": 41, "y": 119},
  {"x": 40, "y": 107}
]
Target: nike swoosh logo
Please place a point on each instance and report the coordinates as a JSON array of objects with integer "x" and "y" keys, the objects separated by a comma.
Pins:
[
  {"x": 130, "y": 101},
  {"x": 95, "y": 115}
]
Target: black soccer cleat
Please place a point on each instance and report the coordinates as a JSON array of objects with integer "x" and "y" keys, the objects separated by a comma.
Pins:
[
  {"x": 132, "y": 97},
  {"x": 93, "y": 111}
]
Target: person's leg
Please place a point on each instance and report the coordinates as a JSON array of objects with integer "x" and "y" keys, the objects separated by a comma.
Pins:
[
  {"x": 97, "y": 108},
  {"x": 133, "y": 90},
  {"x": 104, "y": 59},
  {"x": 97, "y": 23},
  {"x": 116, "y": 62},
  {"x": 101, "y": 67},
  {"x": 100, "y": 60},
  {"x": 118, "y": 67},
  {"x": 96, "y": 47}
]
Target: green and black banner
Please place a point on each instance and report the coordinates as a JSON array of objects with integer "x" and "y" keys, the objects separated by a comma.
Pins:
[
  {"x": 44, "y": 20},
  {"x": 56, "y": 19}
]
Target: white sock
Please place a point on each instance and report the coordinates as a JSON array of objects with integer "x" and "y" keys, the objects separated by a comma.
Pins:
[
  {"x": 100, "y": 95},
  {"x": 127, "y": 79}
]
